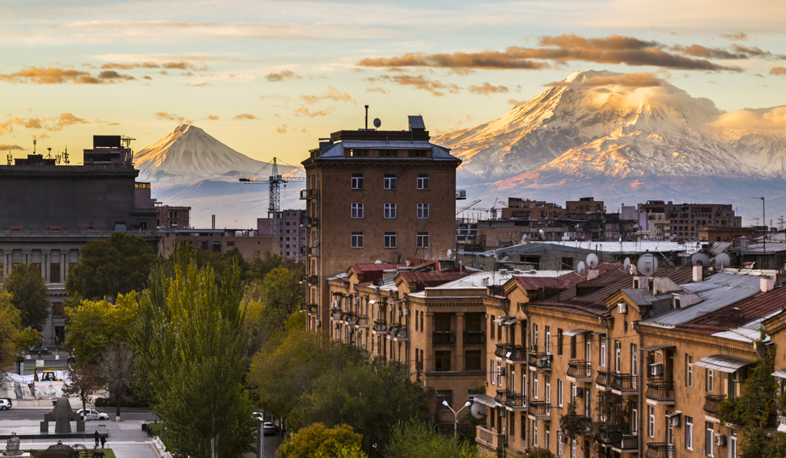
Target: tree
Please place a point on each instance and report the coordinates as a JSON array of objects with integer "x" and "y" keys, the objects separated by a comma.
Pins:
[
  {"x": 573, "y": 425},
  {"x": 10, "y": 322},
  {"x": 83, "y": 382},
  {"x": 110, "y": 267},
  {"x": 116, "y": 370},
  {"x": 318, "y": 440},
  {"x": 541, "y": 453},
  {"x": 190, "y": 344},
  {"x": 95, "y": 325},
  {"x": 29, "y": 295},
  {"x": 421, "y": 439}
]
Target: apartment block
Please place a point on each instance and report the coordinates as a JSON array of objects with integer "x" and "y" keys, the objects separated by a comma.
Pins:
[
  {"x": 669, "y": 220},
  {"x": 173, "y": 216},
  {"x": 292, "y": 228}
]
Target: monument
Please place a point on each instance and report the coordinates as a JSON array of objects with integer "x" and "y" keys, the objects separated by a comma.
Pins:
[
  {"x": 12, "y": 447},
  {"x": 62, "y": 415}
]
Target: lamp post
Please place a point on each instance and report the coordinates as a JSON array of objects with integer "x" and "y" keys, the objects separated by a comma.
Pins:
[{"x": 455, "y": 415}]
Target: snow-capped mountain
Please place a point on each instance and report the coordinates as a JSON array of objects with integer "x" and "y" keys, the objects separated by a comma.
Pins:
[
  {"x": 188, "y": 154},
  {"x": 622, "y": 138}
]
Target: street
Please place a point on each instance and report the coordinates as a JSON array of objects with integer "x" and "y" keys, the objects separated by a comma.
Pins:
[{"x": 130, "y": 414}]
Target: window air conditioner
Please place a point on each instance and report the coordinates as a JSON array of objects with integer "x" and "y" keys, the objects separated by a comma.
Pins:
[
  {"x": 656, "y": 369},
  {"x": 406, "y": 312},
  {"x": 579, "y": 392},
  {"x": 399, "y": 313},
  {"x": 720, "y": 440},
  {"x": 675, "y": 421},
  {"x": 622, "y": 307}
]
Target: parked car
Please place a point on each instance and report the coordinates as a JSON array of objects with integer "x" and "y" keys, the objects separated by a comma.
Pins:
[
  {"x": 5, "y": 404},
  {"x": 268, "y": 429},
  {"x": 93, "y": 414}
]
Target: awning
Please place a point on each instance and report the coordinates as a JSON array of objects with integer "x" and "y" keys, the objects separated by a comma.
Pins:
[
  {"x": 575, "y": 332},
  {"x": 514, "y": 321},
  {"x": 673, "y": 414},
  {"x": 724, "y": 363},
  {"x": 372, "y": 301},
  {"x": 657, "y": 347},
  {"x": 486, "y": 400},
  {"x": 780, "y": 374},
  {"x": 502, "y": 319}
]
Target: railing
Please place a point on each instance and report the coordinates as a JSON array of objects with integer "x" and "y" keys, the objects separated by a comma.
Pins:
[
  {"x": 336, "y": 314},
  {"x": 474, "y": 337},
  {"x": 311, "y": 221},
  {"x": 511, "y": 352},
  {"x": 540, "y": 361},
  {"x": 488, "y": 437},
  {"x": 443, "y": 337},
  {"x": 615, "y": 438},
  {"x": 660, "y": 390},
  {"x": 380, "y": 326},
  {"x": 659, "y": 450},
  {"x": 397, "y": 331},
  {"x": 625, "y": 382},
  {"x": 310, "y": 308},
  {"x": 362, "y": 321},
  {"x": 580, "y": 370},
  {"x": 308, "y": 193},
  {"x": 350, "y": 318},
  {"x": 712, "y": 403},
  {"x": 584, "y": 421},
  {"x": 313, "y": 250},
  {"x": 310, "y": 279},
  {"x": 603, "y": 378},
  {"x": 515, "y": 401},
  {"x": 500, "y": 397},
  {"x": 541, "y": 410}
]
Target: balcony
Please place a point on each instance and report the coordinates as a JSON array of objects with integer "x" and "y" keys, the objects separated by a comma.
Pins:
[
  {"x": 474, "y": 337},
  {"x": 510, "y": 352},
  {"x": 539, "y": 410},
  {"x": 625, "y": 384},
  {"x": 349, "y": 318},
  {"x": 461, "y": 194},
  {"x": 362, "y": 321},
  {"x": 660, "y": 391},
  {"x": 659, "y": 450},
  {"x": 313, "y": 251},
  {"x": 380, "y": 327},
  {"x": 336, "y": 315},
  {"x": 582, "y": 421},
  {"x": 443, "y": 337},
  {"x": 617, "y": 440},
  {"x": 712, "y": 403},
  {"x": 397, "y": 332},
  {"x": 308, "y": 194},
  {"x": 603, "y": 379},
  {"x": 540, "y": 361},
  {"x": 500, "y": 397},
  {"x": 309, "y": 279},
  {"x": 309, "y": 221},
  {"x": 515, "y": 401},
  {"x": 579, "y": 371},
  {"x": 309, "y": 308},
  {"x": 489, "y": 438}
]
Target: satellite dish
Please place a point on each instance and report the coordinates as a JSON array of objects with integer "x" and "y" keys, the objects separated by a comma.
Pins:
[
  {"x": 377, "y": 123},
  {"x": 581, "y": 268},
  {"x": 450, "y": 253},
  {"x": 541, "y": 232},
  {"x": 377, "y": 262},
  {"x": 626, "y": 265},
  {"x": 722, "y": 260},
  {"x": 477, "y": 410},
  {"x": 700, "y": 259},
  {"x": 647, "y": 264},
  {"x": 592, "y": 260}
]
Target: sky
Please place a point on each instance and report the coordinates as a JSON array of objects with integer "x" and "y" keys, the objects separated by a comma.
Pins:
[{"x": 269, "y": 78}]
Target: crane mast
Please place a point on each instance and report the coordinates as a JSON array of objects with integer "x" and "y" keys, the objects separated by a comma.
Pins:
[{"x": 273, "y": 208}]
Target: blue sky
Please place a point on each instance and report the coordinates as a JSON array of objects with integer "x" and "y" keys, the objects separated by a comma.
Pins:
[{"x": 270, "y": 78}]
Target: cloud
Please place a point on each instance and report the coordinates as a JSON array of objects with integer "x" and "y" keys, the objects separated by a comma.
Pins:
[
  {"x": 212, "y": 117},
  {"x": 613, "y": 49},
  {"x": 309, "y": 99},
  {"x": 436, "y": 87},
  {"x": 169, "y": 117},
  {"x": 303, "y": 111},
  {"x": 778, "y": 71},
  {"x": 282, "y": 129},
  {"x": 202, "y": 84},
  {"x": 762, "y": 119},
  {"x": 377, "y": 89},
  {"x": 627, "y": 80},
  {"x": 332, "y": 94},
  {"x": 735, "y": 51},
  {"x": 68, "y": 119},
  {"x": 53, "y": 75},
  {"x": 281, "y": 76},
  {"x": 245, "y": 117},
  {"x": 174, "y": 65},
  {"x": 739, "y": 36},
  {"x": 52, "y": 124},
  {"x": 488, "y": 89},
  {"x": 11, "y": 148},
  {"x": 515, "y": 102}
]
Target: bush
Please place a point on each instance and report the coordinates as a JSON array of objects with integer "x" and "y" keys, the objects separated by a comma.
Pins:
[
  {"x": 541, "y": 453},
  {"x": 106, "y": 402}
]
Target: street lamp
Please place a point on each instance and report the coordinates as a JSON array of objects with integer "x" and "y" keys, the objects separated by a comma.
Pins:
[{"x": 455, "y": 415}]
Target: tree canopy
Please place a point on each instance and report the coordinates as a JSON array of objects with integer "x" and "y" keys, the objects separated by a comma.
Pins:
[
  {"x": 421, "y": 439},
  {"x": 318, "y": 440},
  {"x": 95, "y": 325},
  {"x": 29, "y": 295}
]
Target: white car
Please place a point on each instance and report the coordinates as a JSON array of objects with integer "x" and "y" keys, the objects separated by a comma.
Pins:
[
  {"x": 5, "y": 404},
  {"x": 93, "y": 414}
]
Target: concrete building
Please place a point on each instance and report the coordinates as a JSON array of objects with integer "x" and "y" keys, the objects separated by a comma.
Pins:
[
  {"x": 248, "y": 242},
  {"x": 375, "y": 195},
  {"x": 668, "y": 220},
  {"x": 292, "y": 226},
  {"x": 173, "y": 216}
]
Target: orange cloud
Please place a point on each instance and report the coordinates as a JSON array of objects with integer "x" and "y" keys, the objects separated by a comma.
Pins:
[
  {"x": 762, "y": 119},
  {"x": 179, "y": 65},
  {"x": 11, "y": 148},
  {"x": 50, "y": 124},
  {"x": 169, "y": 116},
  {"x": 419, "y": 82},
  {"x": 303, "y": 111},
  {"x": 281, "y": 76},
  {"x": 332, "y": 94},
  {"x": 244, "y": 117},
  {"x": 53, "y": 75},
  {"x": 309, "y": 99},
  {"x": 282, "y": 129},
  {"x": 377, "y": 89},
  {"x": 68, "y": 119},
  {"x": 735, "y": 36},
  {"x": 487, "y": 89},
  {"x": 213, "y": 117},
  {"x": 778, "y": 71}
]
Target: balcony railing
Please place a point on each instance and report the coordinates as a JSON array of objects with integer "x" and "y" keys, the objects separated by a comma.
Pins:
[
  {"x": 712, "y": 402},
  {"x": 515, "y": 401},
  {"x": 660, "y": 390},
  {"x": 397, "y": 332},
  {"x": 510, "y": 352},
  {"x": 580, "y": 370},
  {"x": 583, "y": 421},
  {"x": 313, "y": 250},
  {"x": 603, "y": 378},
  {"x": 625, "y": 383},
  {"x": 350, "y": 318},
  {"x": 362, "y": 321},
  {"x": 474, "y": 337},
  {"x": 443, "y": 337},
  {"x": 310, "y": 221},
  {"x": 310, "y": 279},
  {"x": 541, "y": 410},
  {"x": 489, "y": 438},
  {"x": 380, "y": 326},
  {"x": 308, "y": 194},
  {"x": 336, "y": 314},
  {"x": 659, "y": 450},
  {"x": 500, "y": 397},
  {"x": 540, "y": 361},
  {"x": 617, "y": 439}
]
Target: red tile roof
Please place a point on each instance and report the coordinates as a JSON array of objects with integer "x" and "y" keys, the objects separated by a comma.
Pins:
[
  {"x": 738, "y": 314},
  {"x": 430, "y": 279},
  {"x": 371, "y": 267}
]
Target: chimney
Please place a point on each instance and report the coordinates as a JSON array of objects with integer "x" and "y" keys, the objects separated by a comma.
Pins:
[
  {"x": 744, "y": 244},
  {"x": 767, "y": 284},
  {"x": 592, "y": 274},
  {"x": 698, "y": 273}
]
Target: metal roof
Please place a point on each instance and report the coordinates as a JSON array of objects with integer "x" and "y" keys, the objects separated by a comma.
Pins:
[
  {"x": 336, "y": 150},
  {"x": 724, "y": 363},
  {"x": 486, "y": 400},
  {"x": 780, "y": 374}
]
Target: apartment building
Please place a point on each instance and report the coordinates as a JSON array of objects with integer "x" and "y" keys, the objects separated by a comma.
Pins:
[
  {"x": 669, "y": 220},
  {"x": 374, "y": 195},
  {"x": 292, "y": 228},
  {"x": 173, "y": 216}
]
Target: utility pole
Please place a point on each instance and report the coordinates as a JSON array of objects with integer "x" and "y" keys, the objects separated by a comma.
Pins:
[{"x": 764, "y": 220}]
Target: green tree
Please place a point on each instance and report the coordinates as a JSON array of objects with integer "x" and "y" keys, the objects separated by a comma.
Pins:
[
  {"x": 110, "y": 267},
  {"x": 540, "y": 453},
  {"x": 28, "y": 294},
  {"x": 83, "y": 382},
  {"x": 10, "y": 323},
  {"x": 421, "y": 439},
  {"x": 318, "y": 440},
  {"x": 190, "y": 344},
  {"x": 95, "y": 325}
]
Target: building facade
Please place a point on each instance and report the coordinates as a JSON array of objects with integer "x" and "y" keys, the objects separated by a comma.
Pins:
[{"x": 292, "y": 229}]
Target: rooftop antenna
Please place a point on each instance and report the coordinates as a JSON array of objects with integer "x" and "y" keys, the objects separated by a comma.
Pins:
[
  {"x": 10, "y": 158},
  {"x": 65, "y": 156},
  {"x": 366, "y": 117},
  {"x": 49, "y": 153},
  {"x": 34, "y": 143}
]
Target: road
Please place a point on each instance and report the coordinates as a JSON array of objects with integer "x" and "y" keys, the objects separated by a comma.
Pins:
[{"x": 38, "y": 414}]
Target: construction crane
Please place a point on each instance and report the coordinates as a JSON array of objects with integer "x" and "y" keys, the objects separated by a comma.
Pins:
[
  {"x": 274, "y": 182},
  {"x": 468, "y": 206}
]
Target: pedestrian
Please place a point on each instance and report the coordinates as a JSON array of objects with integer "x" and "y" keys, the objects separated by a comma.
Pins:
[
  {"x": 97, "y": 437},
  {"x": 103, "y": 441}
]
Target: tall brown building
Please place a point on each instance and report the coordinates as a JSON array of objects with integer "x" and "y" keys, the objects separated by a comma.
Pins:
[{"x": 375, "y": 195}]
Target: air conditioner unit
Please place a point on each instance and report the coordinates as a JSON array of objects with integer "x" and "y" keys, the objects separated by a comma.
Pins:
[
  {"x": 399, "y": 313},
  {"x": 406, "y": 312},
  {"x": 656, "y": 369},
  {"x": 622, "y": 307},
  {"x": 319, "y": 323},
  {"x": 675, "y": 420},
  {"x": 579, "y": 392},
  {"x": 390, "y": 308},
  {"x": 720, "y": 440},
  {"x": 563, "y": 438},
  {"x": 471, "y": 397}
]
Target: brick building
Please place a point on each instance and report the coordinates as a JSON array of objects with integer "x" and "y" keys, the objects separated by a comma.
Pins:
[{"x": 173, "y": 216}]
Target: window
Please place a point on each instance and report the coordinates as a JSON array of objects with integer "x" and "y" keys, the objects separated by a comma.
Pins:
[
  {"x": 710, "y": 380},
  {"x": 560, "y": 342},
  {"x": 535, "y": 387},
  {"x": 559, "y": 393},
  {"x": 709, "y": 436},
  {"x": 688, "y": 370},
  {"x": 423, "y": 211},
  {"x": 389, "y": 181},
  {"x": 573, "y": 449},
  {"x": 390, "y": 211},
  {"x": 587, "y": 403},
  {"x": 357, "y": 240},
  {"x": 559, "y": 448},
  {"x": 499, "y": 373},
  {"x": 422, "y": 240},
  {"x": 534, "y": 433},
  {"x": 669, "y": 433},
  {"x": 390, "y": 240},
  {"x": 58, "y": 309},
  {"x": 491, "y": 372},
  {"x": 733, "y": 444},
  {"x": 535, "y": 336},
  {"x": 444, "y": 395},
  {"x": 442, "y": 360},
  {"x": 602, "y": 358},
  {"x": 357, "y": 181},
  {"x": 617, "y": 356},
  {"x": 689, "y": 433},
  {"x": 357, "y": 210},
  {"x": 634, "y": 420},
  {"x": 651, "y": 421},
  {"x": 548, "y": 388},
  {"x": 523, "y": 424},
  {"x": 547, "y": 438},
  {"x": 492, "y": 328},
  {"x": 472, "y": 360},
  {"x": 634, "y": 366},
  {"x": 423, "y": 181},
  {"x": 547, "y": 343}
]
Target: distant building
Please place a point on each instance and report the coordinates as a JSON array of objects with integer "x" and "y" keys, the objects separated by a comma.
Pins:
[
  {"x": 585, "y": 205},
  {"x": 291, "y": 231},
  {"x": 172, "y": 216},
  {"x": 217, "y": 240},
  {"x": 682, "y": 221}
]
